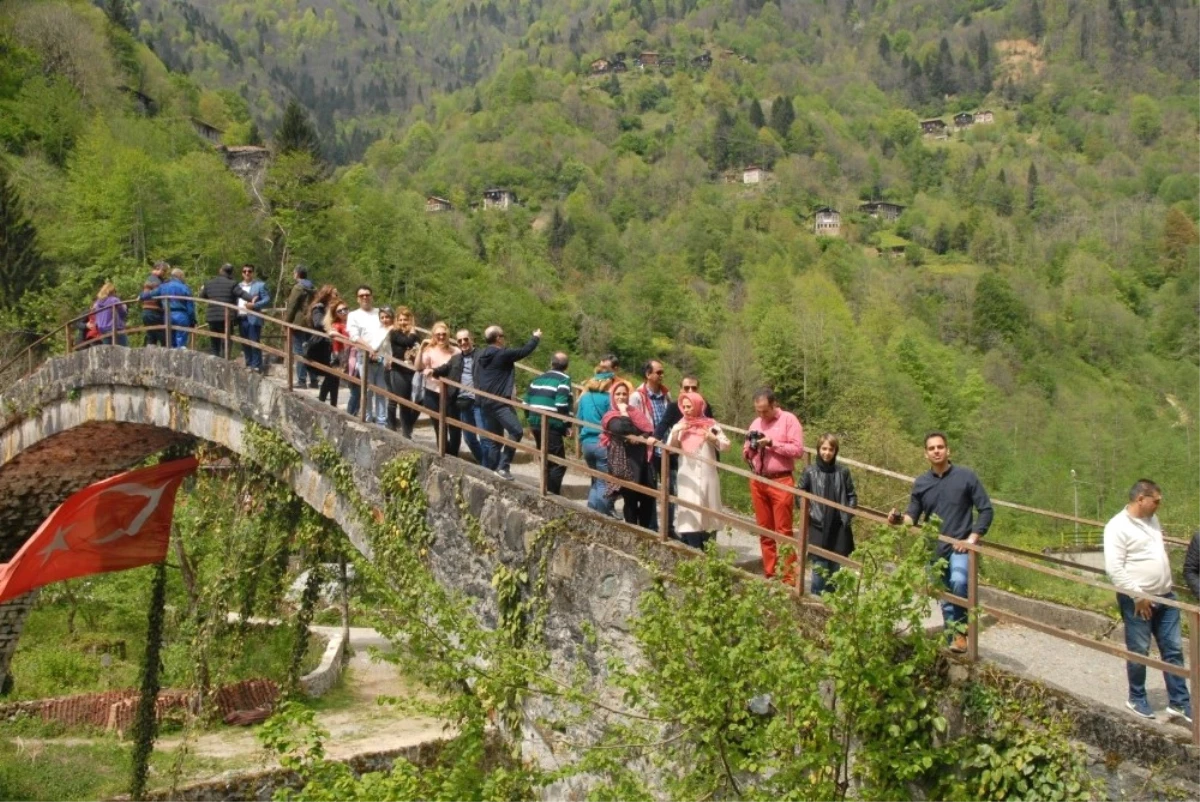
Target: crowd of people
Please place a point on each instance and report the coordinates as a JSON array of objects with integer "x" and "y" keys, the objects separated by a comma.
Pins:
[{"x": 623, "y": 426}]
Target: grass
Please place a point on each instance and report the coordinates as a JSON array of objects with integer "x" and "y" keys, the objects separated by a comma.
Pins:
[
  {"x": 37, "y": 770},
  {"x": 51, "y": 661}
]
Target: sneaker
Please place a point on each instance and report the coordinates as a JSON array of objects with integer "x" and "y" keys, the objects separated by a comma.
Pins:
[
  {"x": 959, "y": 644},
  {"x": 505, "y": 474},
  {"x": 1180, "y": 712},
  {"x": 1141, "y": 708}
]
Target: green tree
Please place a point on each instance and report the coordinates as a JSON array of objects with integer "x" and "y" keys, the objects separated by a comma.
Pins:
[
  {"x": 296, "y": 134},
  {"x": 119, "y": 13},
  {"x": 21, "y": 264},
  {"x": 756, "y": 115},
  {"x": 1031, "y": 188},
  {"x": 783, "y": 114},
  {"x": 1145, "y": 118},
  {"x": 997, "y": 314}
]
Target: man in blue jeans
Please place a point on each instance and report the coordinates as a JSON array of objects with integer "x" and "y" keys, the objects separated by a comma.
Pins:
[
  {"x": 1136, "y": 562},
  {"x": 954, "y": 494},
  {"x": 250, "y": 326},
  {"x": 494, "y": 374}
]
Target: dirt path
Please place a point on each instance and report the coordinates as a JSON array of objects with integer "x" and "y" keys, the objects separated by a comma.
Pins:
[{"x": 359, "y": 725}]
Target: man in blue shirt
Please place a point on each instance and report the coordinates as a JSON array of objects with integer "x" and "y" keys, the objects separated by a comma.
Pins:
[
  {"x": 954, "y": 494},
  {"x": 250, "y": 326},
  {"x": 182, "y": 309}
]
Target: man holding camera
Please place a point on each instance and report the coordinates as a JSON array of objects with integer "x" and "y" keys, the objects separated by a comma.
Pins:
[{"x": 772, "y": 445}]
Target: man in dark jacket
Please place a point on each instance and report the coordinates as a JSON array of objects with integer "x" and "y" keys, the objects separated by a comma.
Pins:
[
  {"x": 1191, "y": 566},
  {"x": 223, "y": 288},
  {"x": 293, "y": 312},
  {"x": 494, "y": 374},
  {"x": 462, "y": 403}
]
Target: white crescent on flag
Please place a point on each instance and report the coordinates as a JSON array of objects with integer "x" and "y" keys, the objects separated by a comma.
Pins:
[{"x": 153, "y": 495}]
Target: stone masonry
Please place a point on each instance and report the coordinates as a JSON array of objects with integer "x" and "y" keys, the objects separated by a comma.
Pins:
[{"x": 597, "y": 567}]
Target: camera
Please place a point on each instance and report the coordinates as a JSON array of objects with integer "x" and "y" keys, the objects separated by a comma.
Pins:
[{"x": 754, "y": 439}]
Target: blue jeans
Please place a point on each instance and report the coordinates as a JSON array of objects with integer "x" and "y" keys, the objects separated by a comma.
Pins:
[
  {"x": 954, "y": 577},
  {"x": 472, "y": 415},
  {"x": 376, "y": 402},
  {"x": 596, "y": 457},
  {"x": 1164, "y": 627},
  {"x": 179, "y": 338},
  {"x": 158, "y": 336},
  {"x": 500, "y": 419},
  {"x": 820, "y": 577},
  {"x": 303, "y": 374},
  {"x": 249, "y": 328}
]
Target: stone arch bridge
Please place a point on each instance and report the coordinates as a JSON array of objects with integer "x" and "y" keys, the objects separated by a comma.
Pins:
[{"x": 93, "y": 413}]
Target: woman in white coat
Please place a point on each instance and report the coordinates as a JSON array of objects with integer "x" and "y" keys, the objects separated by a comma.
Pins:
[{"x": 698, "y": 436}]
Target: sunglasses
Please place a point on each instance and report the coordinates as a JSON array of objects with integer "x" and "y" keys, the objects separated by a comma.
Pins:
[
  {"x": 656, "y": 373},
  {"x": 341, "y": 311},
  {"x": 364, "y": 295},
  {"x": 690, "y": 388},
  {"x": 464, "y": 339}
]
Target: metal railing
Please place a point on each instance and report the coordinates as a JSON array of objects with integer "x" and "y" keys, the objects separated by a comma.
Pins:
[{"x": 797, "y": 542}]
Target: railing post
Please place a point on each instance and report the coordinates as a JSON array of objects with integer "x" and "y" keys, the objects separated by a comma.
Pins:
[
  {"x": 442, "y": 422},
  {"x": 543, "y": 452},
  {"x": 365, "y": 364},
  {"x": 973, "y": 605},
  {"x": 664, "y": 496},
  {"x": 227, "y": 344},
  {"x": 1194, "y": 659},
  {"x": 167, "y": 329},
  {"x": 288, "y": 358},
  {"x": 802, "y": 555},
  {"x": 70, "y": 344}
]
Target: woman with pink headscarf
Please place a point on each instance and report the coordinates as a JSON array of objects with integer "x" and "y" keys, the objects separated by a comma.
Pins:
[
  {"x": 700, "y": 438},
  {"x": 628, "y": 435}
]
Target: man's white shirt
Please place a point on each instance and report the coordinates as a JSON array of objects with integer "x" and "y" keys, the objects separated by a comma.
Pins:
[
  {"x": 1134, "y": 555},
  {"x": 366, "y": 326}
]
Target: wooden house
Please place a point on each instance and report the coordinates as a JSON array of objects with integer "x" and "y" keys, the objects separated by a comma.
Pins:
[
  {"x": 827, "y": 222},
  {"x": 435, "y": 204},
  {"x": 933, "y": 127},
  {"x": 754, "y": 174},
  {"x": 703, "y": 61},
  {"x": 209, "y": 132},
  {"x": 963, "y": 120},
  {"x": 619, "y": 66},
  {"x": 600, "y": 66},
  {"x": 648, "y": 58},
  {"x": 499, "y": 198},
  {"x": 882, "y": 210},
  {"x": 984, "y": 117}
]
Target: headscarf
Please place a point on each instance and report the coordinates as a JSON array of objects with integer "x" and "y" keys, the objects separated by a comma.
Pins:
[
  {"x": 639, "y": 419},
  {"x": 695, "y": 426}
]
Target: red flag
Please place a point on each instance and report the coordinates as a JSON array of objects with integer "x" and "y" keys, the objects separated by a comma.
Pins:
[{"x": 119, "y": 523}]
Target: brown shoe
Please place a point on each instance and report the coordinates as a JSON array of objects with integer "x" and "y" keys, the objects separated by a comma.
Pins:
[{"x": 959, "y": 644}]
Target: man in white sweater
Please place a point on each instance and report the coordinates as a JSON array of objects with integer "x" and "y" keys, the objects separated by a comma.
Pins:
[{"x": 1136, "y": 561}]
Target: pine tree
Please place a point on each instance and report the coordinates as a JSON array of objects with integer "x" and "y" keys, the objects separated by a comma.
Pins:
[
  {"x": 885, "y": 48},
  {"x": 1037, "y": 25},
  {"x": 560, "y": 231},
  {"x": 296, "y": 133},
  {"x": 21, "y": 265},
  {"x": 118, "y": 13},
  {"x": 1031, "y": 188},
  {"x": 756, "y": 115},
  {"x": 782, "y": 115}
]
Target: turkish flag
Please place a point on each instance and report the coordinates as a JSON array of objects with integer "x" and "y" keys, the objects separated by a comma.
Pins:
[{"x": 119, "y": 523}]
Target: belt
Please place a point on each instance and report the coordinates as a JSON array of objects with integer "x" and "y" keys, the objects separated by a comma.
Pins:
[{"x": 776, "y": 475}]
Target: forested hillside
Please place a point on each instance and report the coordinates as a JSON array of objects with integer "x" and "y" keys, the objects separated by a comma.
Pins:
[{"x": 1037, "y": 297}]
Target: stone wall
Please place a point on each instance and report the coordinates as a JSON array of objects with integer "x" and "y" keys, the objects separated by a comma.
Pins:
[{"x": 12, "y": 621}]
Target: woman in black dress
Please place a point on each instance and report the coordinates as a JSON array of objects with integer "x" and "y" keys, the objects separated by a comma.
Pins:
[{"x": 828, "y": 528}]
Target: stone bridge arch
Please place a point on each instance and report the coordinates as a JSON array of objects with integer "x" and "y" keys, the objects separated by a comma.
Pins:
[{"x": 92, "y": 414}]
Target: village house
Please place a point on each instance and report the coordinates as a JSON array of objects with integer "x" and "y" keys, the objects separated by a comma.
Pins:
[
  {"x": 963, "y": 120},
  {"x": 619, "y": 55},
  {"x": 984, "y": 117},
  {"x": 754, "y": 175},
  {"x": 882, "y": 210},
  {"x": 647, "y": 58},
  {"x": 600, "y": 66},
  {"x": 435, "y": 204},
  {"x": 209, "y": 132},
  {"x": 827, "y": 222},
  {"x": 703, "y": 61},
  {"x": 247, "y": 162},
  {"x": 619, "y": 66},
  {"x": 499, "y": 198},
  {"x": 933, "y": 127}
]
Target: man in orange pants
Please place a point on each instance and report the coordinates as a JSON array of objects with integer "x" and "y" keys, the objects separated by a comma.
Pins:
[{"x": 772, "y": 445}]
